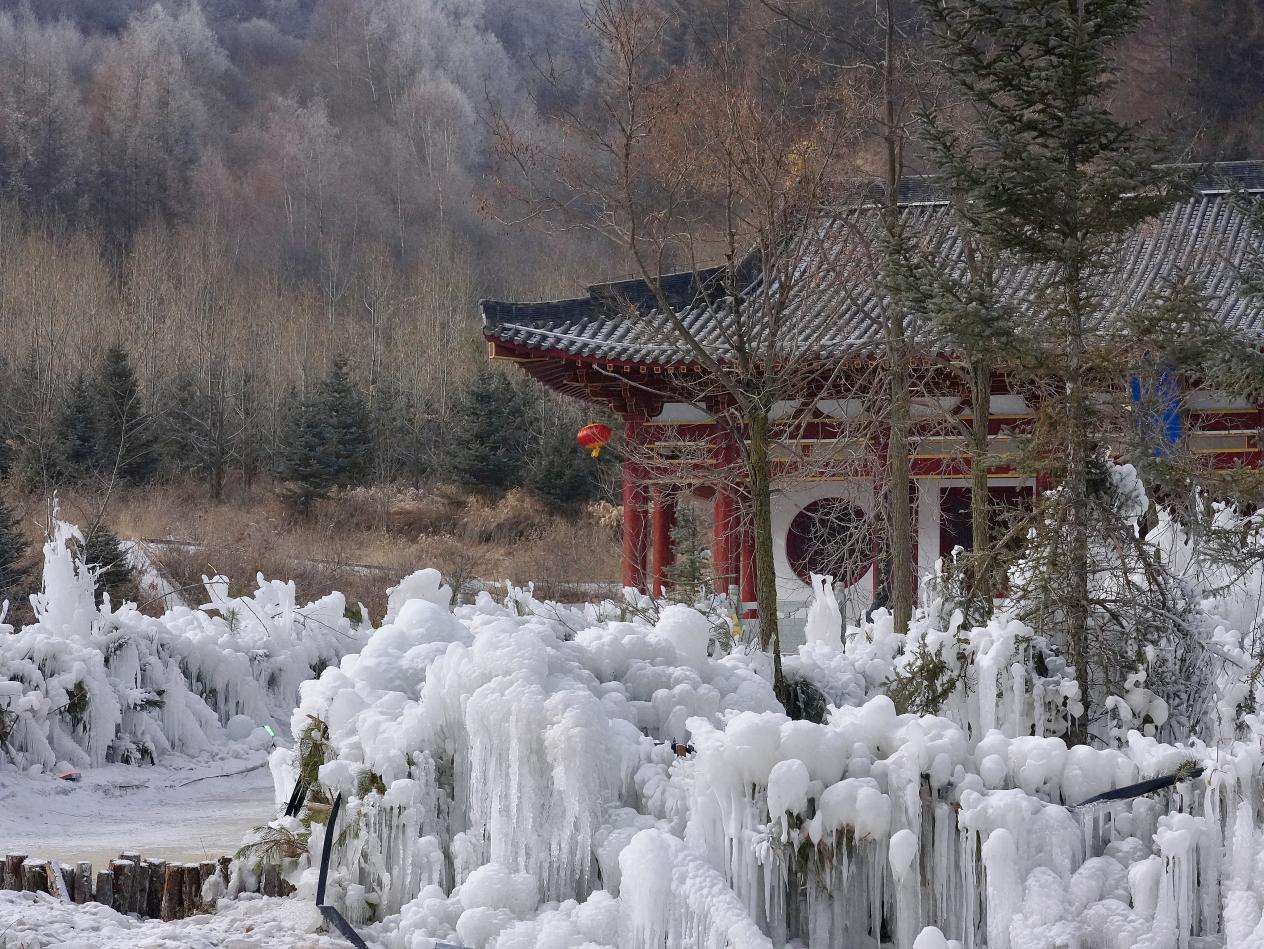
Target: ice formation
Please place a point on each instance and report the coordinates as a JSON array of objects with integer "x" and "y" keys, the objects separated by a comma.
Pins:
[
  {"x": 517, "y": 776},
  {"x": 523, "y": 774},
  {"x": 88, "y": 683}
]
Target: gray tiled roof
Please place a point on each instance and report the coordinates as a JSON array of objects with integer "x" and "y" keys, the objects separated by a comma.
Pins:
[{"x": 1204, "y": 236}]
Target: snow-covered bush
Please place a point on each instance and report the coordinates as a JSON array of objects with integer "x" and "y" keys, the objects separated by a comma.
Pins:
[{"x": 85, "y": 685}]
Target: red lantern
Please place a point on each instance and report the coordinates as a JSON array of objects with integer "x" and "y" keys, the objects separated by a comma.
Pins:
[{"x": 594, "y": 438}]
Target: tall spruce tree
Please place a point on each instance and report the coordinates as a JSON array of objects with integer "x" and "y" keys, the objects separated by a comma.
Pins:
[
  {"x": 559, "y": 471},
  {"x": 300, "y": 463},
  {"x": 490, "y": 434},
  {"x": 114, "y": 574},
  {"x": 125, "y": 443},
  {"x": 1050, "y": 177},
  {"x": 15, "y": 558},
  {"x": 347, "y": 425},
  {"x": 327, "y": 443},
  {"x": 73, "y": 449},
  {"x": 691, "y": 571}
]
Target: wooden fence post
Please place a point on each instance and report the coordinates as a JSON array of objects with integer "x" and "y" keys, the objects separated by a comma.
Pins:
[
  {"x": 83, "y": 881},
  {"x": 271, "y": 879},
  {"x": 170, "y": 892},
  {"x": 13, "y": 870},
  {"x": 192, "y": 889},
  {"x": 122, "y": 870},
  {"x": 35, "y": 875},
  {"x": 104, "y": 893},
  {"x": 153, "y": 899},
  {"x": 140, "y": 892},
  {"x": 206, "y": 870}
]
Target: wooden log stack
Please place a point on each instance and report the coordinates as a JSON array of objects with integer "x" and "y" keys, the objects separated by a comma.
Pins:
[{"x": 149, "y": 888}]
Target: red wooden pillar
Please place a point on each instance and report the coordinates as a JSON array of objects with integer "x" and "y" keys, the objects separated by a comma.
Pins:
[
  {"x": 664, "y": 519},
  {"x": 748, "y": 569},
  {"x": 724, "y": 546},
  {"x": 634, "y": 517}
]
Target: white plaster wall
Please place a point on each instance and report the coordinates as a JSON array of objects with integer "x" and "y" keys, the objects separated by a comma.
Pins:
[{"x": 793, "y": 593}]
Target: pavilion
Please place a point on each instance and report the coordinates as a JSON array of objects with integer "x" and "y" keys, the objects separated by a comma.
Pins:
[{"x": 612, "y": 348}]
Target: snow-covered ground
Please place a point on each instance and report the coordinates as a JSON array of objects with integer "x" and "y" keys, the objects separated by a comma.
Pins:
[
  {"x": 37, "y": 920},
  {"x": 179, "y": 810}
]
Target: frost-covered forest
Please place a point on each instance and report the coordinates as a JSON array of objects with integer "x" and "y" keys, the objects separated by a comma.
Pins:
[{"x": 241, "y": 192}]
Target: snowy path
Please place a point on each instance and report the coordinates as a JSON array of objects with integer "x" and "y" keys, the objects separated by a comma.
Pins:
[{"x": 180, "y": 811}]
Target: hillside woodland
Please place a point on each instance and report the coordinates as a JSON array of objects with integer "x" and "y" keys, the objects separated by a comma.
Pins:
[{"x": 217, "y": 217}]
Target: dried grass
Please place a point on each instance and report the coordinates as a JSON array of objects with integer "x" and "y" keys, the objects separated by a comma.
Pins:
[{"x": 361, "y": 542}]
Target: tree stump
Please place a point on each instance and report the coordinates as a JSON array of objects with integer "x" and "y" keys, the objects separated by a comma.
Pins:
[
  {"x": 123, "y": 871},
  {"x": 13, "y": 870},
  {"x": 171, "y": 892},
  {"x": 83, "y": 882},
  {"x": 104, "y": 893},
  {"x": 153, "y": 899},
  {"x": 225, "y": 869},
  {"x": 35, "y": 875},
  {"x": 140, "y": 892},
  {"x": 271, "y": 879},
  {"x": 192, "y": 889}
]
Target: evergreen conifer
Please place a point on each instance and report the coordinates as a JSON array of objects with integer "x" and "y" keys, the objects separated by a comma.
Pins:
[
  {"x": 73, "y": 451},
  {"x": 559, "y": 471},
  {"x": 490, "y": 435},
  {"x": 125, "y": 444},
  {"x": 328, "y": 442},
  {"x": 1047, "y": 177},
  {"x": 690, "y": 572},
  {"x": 15, "y": 558},
  {"x": 347, "y": 426},
  {"x": 114, "y": 574}
]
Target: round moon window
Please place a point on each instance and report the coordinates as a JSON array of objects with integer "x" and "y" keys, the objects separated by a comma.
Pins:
[{"x": 830, "y": 536}]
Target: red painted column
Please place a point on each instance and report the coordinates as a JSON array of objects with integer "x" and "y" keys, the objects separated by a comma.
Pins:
[
  {"x": 748, "y": 569},
  {"x": 664, "y": 519},
  {"x": 724, "y": 544},
  {"x": 634, "y": 517}
]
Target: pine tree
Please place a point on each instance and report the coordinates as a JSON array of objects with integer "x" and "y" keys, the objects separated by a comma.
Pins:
[
  {"x": 490, "y": 434},
  {"x": 559, "y": 471},
  {"x": 15, "y": 558},
  {"x": 300, "y": 463},
  {"x": 114, "y": 573},
  {"x": 347, "y": 426},
  {"x": 125, "y": 447},
  {"x": 691, "y": 571},
  {"x": 73, "y": 451},
  {"x": 328, "y": 442},
  {"x": 1049, "y": 177}
]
